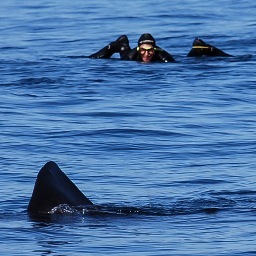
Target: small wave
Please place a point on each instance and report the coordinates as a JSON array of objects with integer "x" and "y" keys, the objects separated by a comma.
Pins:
[
  {"x": 40, "y": 80},
  {"x": 202, "y": 181},
  {"x": 132, "y": 132}
]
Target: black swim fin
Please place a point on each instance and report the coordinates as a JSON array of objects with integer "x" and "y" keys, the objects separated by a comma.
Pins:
[
  {"x": 53, "y": 188},
  {"x": 121, "y": 46},
  {"x": 200, "y": 48}
]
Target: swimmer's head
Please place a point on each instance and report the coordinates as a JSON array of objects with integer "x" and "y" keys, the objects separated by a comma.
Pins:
[
  {"x": 147, "y": 39},
  {"x": 146, "y": 47}
]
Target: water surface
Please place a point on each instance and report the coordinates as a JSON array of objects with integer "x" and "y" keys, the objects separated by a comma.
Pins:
[{"x": 166, "y": 151}]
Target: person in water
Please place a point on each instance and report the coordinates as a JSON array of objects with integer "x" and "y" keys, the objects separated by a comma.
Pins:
[{"x": 146, "y": 51}]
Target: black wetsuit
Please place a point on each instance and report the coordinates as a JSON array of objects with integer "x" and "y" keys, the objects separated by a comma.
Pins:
[
  {"x": 200, "y": 48},
  {"x": 121, "y": 46},
  {"x": 159, "y": 56}
]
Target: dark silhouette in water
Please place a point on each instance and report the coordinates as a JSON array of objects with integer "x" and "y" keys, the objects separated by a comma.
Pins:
[
  {"x": 54, "y": 192},
  {"x": 200, "y": 48},
  {"x": 53, "y": 188},
  {"x": 121, "y": 46},
  {"x": 146, "y": 47}
]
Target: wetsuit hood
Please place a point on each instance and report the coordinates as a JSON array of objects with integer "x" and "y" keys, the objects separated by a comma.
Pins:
[{"x": 146, "y": 39}]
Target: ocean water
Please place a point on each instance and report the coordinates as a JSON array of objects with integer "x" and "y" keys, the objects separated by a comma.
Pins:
[{"x": 165, "y": 150}]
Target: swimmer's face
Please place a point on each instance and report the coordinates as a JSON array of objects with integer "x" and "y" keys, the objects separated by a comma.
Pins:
[{"x": 146, "y": 51}]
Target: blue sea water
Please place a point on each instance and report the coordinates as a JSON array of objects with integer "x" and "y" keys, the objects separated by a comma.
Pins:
[{"x": 166, "y": 150}]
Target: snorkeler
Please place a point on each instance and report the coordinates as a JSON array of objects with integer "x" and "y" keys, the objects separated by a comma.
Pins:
[{"x": 146, "y": 51}]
